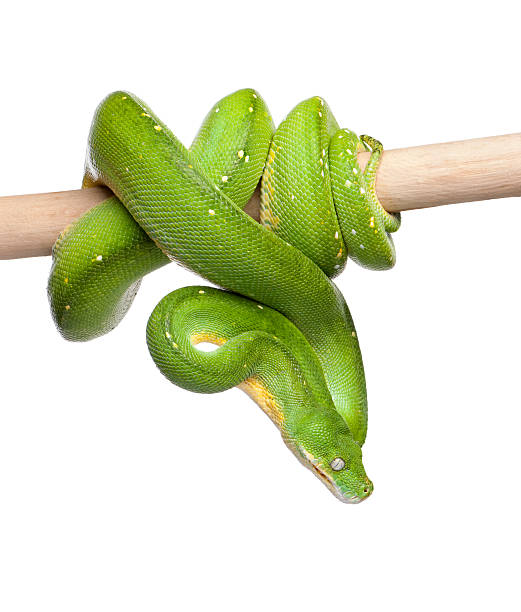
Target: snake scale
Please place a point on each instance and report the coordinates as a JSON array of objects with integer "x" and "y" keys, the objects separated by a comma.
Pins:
[{"x": 283, "y": 329}]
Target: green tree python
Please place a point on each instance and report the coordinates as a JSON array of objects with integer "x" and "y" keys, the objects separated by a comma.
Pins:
[{"x": 283, "y": 330}]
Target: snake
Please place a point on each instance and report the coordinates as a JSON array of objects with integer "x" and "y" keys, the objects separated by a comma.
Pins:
[{"x": 282, "y": 329}]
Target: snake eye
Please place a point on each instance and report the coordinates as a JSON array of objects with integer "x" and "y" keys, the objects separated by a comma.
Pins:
[{"x": 337, "y": 464}]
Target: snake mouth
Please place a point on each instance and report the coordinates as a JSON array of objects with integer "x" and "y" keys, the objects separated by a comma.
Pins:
[
  {"x": 322, "y": 475},
  {"x": 313, "y": 464},
  {"x": 334, "y": 488}
]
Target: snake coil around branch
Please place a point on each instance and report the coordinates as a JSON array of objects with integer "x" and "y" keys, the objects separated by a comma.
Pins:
[{"x": 284, "y": 331}]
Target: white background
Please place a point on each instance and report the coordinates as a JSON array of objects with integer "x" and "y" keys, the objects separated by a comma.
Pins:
[{"x": 121, "y": 492}]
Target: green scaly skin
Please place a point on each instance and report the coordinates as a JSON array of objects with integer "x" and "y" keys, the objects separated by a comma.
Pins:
[{"x": 292, "y": 345}]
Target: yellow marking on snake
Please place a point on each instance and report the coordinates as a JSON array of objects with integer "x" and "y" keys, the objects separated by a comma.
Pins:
[
  {"x": 255, "y": 389},
  {"x": 199, "y": 337},
  {"x": 253, "y": 386}
]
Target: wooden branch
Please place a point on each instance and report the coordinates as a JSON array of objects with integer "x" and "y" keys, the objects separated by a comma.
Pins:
[
  {"x": 416, "y": 177},
  {"x": 30, "y": 224}
]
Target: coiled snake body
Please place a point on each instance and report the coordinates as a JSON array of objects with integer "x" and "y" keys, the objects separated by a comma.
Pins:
[{"x": 284, "y": 331}]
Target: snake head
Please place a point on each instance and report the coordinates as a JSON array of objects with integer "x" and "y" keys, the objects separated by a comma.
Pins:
[{"x": 326, "y": 447}]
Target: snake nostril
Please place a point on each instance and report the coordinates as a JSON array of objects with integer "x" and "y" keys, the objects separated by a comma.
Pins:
[{"x": 368, "y": 489}]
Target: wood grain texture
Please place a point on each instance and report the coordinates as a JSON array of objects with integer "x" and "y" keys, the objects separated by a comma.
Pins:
[
  {"x": 407, "y": 179},
  {"x": 450, "y": 173},
  {"x": 30, "y": 224}
]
